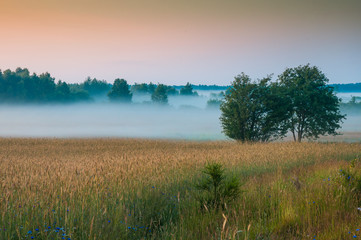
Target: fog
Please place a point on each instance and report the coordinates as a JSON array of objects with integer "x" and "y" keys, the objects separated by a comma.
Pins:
[
  {"x": 110, "y": 120},
  {"x": 184, "y": 118}
]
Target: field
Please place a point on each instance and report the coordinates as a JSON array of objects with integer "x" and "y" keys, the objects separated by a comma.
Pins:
[{"x": 145, "y": 189}]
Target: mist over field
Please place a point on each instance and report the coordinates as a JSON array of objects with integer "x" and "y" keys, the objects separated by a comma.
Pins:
[
  {"x": 186, "y": 117},
  {"x": 110, "y": 120}
]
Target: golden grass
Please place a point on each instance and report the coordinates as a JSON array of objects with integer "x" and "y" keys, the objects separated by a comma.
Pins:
[{"x": 53, "y": 172}]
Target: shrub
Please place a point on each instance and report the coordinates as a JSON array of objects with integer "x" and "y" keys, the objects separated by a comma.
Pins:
[{"x": 216, "y": 188}]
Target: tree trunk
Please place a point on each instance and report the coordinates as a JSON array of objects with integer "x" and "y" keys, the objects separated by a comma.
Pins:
[{"x": 294, "y": 135}]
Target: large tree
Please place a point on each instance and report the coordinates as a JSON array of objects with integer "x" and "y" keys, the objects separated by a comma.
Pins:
[
  {"x": 252, "y": 111},
  {"x": 313, "y": 105},
  {"x": 120, "y": 91}
]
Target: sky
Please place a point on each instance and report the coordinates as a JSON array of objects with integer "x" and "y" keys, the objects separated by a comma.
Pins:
[{"x": 174, "y": 42}]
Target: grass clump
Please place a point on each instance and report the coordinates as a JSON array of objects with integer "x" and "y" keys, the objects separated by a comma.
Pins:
[{"x": 351, "y": 179}]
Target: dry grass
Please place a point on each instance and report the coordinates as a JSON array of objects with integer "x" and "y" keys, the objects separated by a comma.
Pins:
[{"x": 81, "y": 183}]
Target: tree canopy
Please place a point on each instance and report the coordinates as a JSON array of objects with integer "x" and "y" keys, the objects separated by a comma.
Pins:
[
  {"x": 188, "y": 90},
  {"x": 314, "y": 108},
  {"x": 251, "y": 110},
  {"x": 299, "y": 102},
  {"x": 120, "y": 91},
  {"x": 159, "y": 95}
]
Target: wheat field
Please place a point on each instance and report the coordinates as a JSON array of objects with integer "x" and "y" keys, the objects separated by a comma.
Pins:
[{"x": 144, "y": 189}]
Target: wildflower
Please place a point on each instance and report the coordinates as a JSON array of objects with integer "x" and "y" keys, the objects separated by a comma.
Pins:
[
  {"x": 37, "y": 229},
  {"x": 30, "y": 232},
  {"x": 358, "y": 229}
]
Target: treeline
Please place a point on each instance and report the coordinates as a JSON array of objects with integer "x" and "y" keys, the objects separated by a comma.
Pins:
[
  {"x": 349, "y": 87},
  {"x": 205, "y": 87},
  {"x": 20, "y": 86},
  {"x": 122, "y": 92}
]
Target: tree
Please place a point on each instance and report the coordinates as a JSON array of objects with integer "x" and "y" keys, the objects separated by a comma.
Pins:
[
  {"x": 62, "y": 92},
  {"x": 313, "y": 106},
  {"x": 139, "y": 88},
  {"x": 94, "y": 86},
  {"x": 172, "y": 91},
  {"x": 120, "y": 91},
  {"x": 160, "y": 94},
  {"x": 188, "y": 90},
  {"x": 252, "y": 111},
  {"x": 151, "y": 87},
  {"x": 213, "y": 103}
]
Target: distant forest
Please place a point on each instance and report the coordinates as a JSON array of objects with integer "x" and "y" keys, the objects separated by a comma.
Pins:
[
  {"x": 20, "y": 86},
  {"x": 349, "y": 87}
]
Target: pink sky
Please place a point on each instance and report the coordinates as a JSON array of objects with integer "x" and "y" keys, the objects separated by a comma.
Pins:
[{"x": 174, "y": 42}]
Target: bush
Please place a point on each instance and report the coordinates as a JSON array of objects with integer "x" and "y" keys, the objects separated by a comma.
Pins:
[{"x": 216, "y": 188}]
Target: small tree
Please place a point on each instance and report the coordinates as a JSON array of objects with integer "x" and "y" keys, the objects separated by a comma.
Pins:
[
  {"x": 120, "y": 91},
  {"x": 217, "y": 189},
  {"x": 313, "y": 106},
  {"x": 159, "y": 95},
  {"x": 252, "y": 111},
  {"x": 188, "y": 90}
]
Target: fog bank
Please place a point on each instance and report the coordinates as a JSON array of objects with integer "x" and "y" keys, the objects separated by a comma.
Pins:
[
  {"x": 186, "y": 117},
  {"x": 110, "y": 120}
]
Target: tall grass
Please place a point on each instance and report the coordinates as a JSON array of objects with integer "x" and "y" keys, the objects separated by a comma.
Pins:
[{"x": 146, "y": 189}]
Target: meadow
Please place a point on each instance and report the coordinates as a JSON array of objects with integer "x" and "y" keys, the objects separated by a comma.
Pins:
[{"x": 145, "y": 189}]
